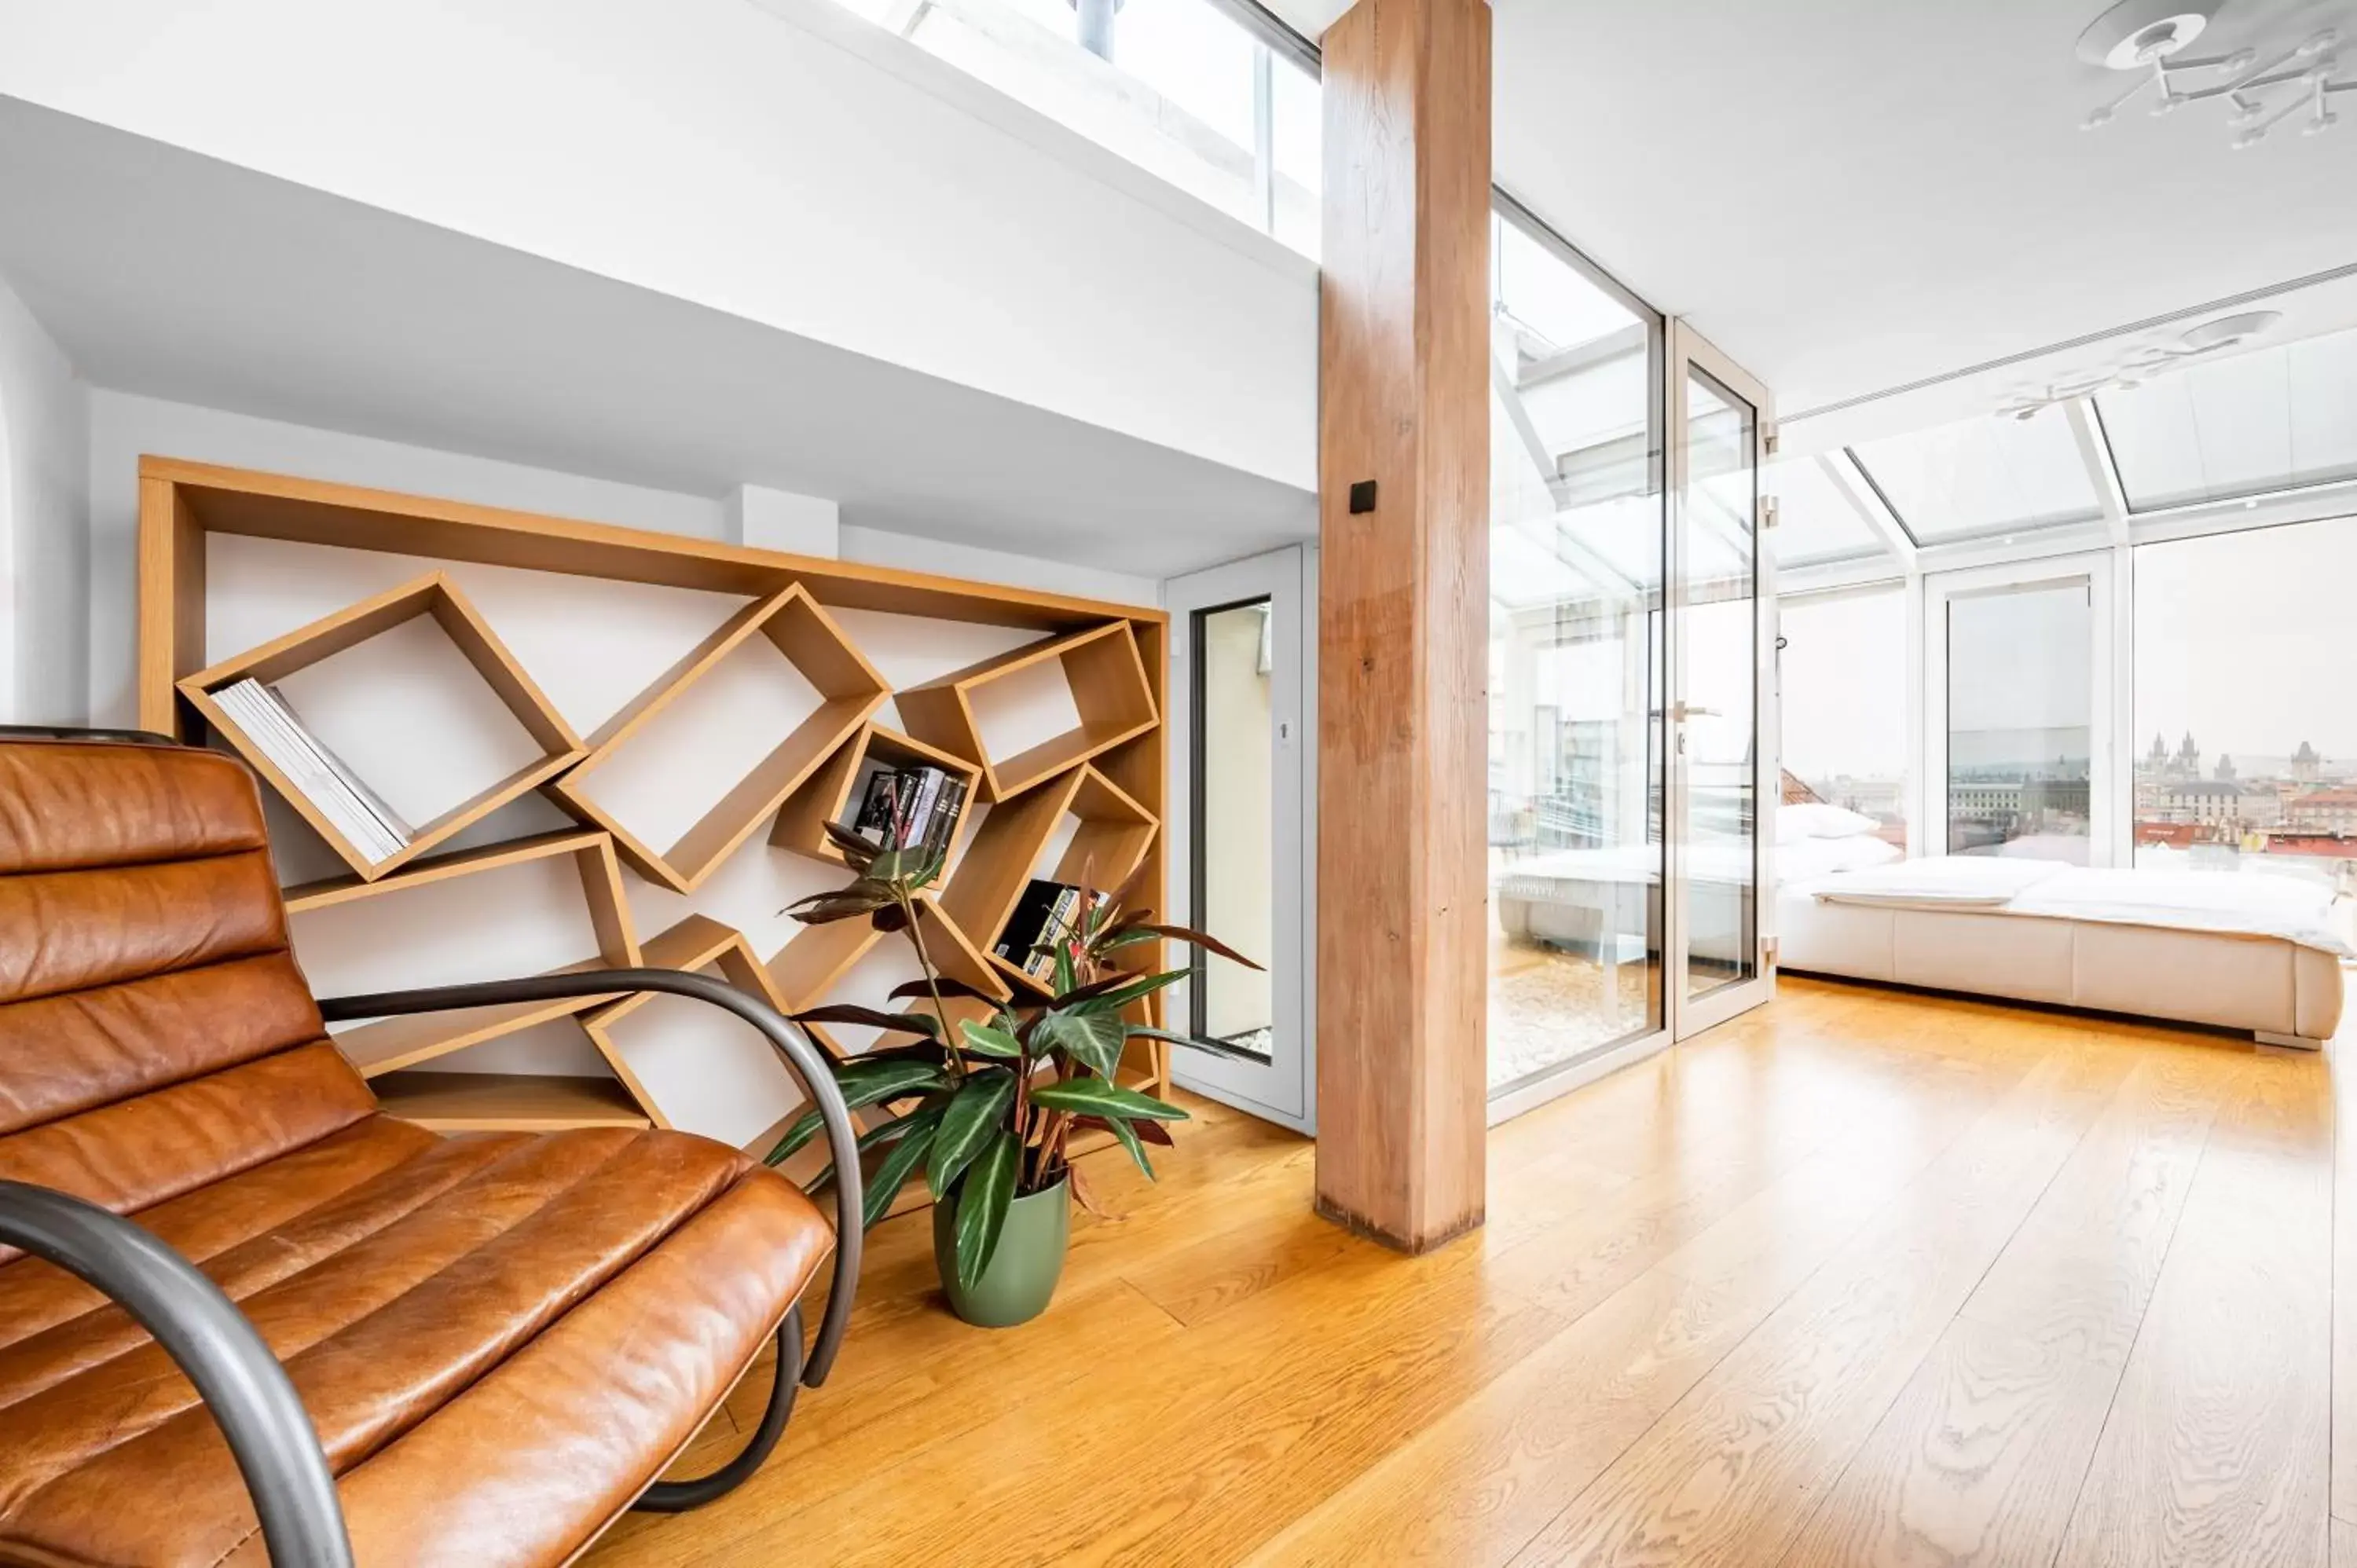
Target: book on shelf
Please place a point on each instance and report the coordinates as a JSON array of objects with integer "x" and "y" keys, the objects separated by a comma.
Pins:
[
  {"x": 1047, "y": 909},
  {"x": 356, "y": 811},
  {"x": 911, "y": 807}
]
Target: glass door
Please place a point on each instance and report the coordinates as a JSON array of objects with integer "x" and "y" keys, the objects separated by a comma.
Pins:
[
  {"x": 1243, "y": 644},
  {"x": 2018, "y": 714},
  {"x": 1722, "y": 630}
]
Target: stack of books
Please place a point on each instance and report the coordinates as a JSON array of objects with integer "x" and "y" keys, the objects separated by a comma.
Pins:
[
  {"x": 1045, "y": 909},
  {"x": 367, "y": 824},
  {"x": 910, "y": 808}
]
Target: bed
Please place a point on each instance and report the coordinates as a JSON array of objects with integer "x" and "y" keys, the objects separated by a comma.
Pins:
[
  {"x": 2233, "y": 950},
  {"x": 2243, "y": 951}
]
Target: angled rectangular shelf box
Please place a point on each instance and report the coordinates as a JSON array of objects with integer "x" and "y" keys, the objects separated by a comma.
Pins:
[
  {"x": 1112, "y": 693},
  {"x": 832, "y": 793},
  {"x": 392, "y": 1045},
  {"x": 849, "y": 689},
  {"x": 506, "y": 1103},
  {"x": 696, "y": 944},
  {"x": 432, "y": 595},
  {"x": 997, "y": 864}
]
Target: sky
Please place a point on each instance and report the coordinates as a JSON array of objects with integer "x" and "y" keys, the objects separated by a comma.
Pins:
[{"x": 2249, "y": 640}]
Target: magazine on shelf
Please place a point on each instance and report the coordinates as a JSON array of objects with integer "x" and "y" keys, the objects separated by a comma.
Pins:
[
  {"x": 1046, "y": 908},
  {"x": 909, "y": 806},
  {"x": 356, "y": 811}
]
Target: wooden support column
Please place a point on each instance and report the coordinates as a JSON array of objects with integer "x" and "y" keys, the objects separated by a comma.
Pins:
[{"x": 1403, "y": 620}]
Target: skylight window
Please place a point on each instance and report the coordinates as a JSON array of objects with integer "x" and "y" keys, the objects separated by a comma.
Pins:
[
  {"x": 2268, "y": 420},
  {"x": 1185, "y": 89},
  {"x": 1983, "y": 477},
  {"x": 1815, "y": 524}
]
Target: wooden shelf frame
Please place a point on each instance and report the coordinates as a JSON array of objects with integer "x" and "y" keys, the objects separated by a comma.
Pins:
[
  {"x": 1117, "y": 698},
  {"x": 183, "y": 503},
  {"x": 814, "y": 960},
  {"x": 1116, "y": 834},
  {"x": 433, "y": 595},
  {"x": 506, "y": 1103},
  {"x": 695, "y": 944},
  {"x": 826, "y": 796},
  {"x": 851, "y": 690},
  {"x": 398, "y": 1044}
]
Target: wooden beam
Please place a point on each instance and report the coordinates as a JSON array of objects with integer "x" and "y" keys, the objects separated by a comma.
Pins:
[{"x": 1403, "y": 620}]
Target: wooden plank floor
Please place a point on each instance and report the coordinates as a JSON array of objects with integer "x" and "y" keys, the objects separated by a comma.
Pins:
[{"x": 1861, "y": 1278}]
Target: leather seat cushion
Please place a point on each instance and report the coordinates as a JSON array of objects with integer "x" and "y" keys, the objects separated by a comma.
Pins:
[{"x": 501, "y": 1340}]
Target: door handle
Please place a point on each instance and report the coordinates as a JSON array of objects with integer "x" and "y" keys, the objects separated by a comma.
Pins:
[{"x": 1682, "y": 712}]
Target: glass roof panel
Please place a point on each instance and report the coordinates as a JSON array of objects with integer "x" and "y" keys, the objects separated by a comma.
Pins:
[
  {"x": 2268, "y": 420},
  {"x": 1814, "y": 521},
  {"x": 1982, "y": 477}
]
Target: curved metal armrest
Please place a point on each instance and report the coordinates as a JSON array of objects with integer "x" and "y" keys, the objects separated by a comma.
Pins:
[
  {"x": 809, "y": 1064},
  {"x": 269, "y": 1432}
]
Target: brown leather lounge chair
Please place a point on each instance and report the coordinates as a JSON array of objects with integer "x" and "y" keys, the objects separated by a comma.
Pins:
[{"x": 500, "y": 1341}]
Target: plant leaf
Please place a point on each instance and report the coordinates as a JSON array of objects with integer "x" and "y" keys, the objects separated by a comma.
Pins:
[
  {"x": 909, "y": 988},
  {"x": 1209, "y": 1048},
  {"x": 911, "y": 867},
  {"x": 858, "y": 851},
  {"x": 1126, "y": 938},
  {"x": 984, "y": 1040},
  {"x": 978, "y": 1110},
  {"x": 894, "y": 1172},
  {"x": 863, "y": 1082},
  {"x": 1151, "y": 1132},
  {"x": 874, "y": 1137},
  {"x": 1186, "y": 934},
  {"x": 982, "y": 1199},
  {"x": 924, "y": 1024},
  {"x": 828, "y": 907},
  {"x": 1095, "y": 1096},
  {"x": 1092, "y": 1039},
  {"x": 1128, "y": 1136},
  {"x": 1120, "y": 996}
]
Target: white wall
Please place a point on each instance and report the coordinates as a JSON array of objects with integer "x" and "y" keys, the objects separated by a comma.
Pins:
[
  {"x": 823, "y": 177},
  {"x": 44, "y": 547},
  {"x": 123, "y": 427}
]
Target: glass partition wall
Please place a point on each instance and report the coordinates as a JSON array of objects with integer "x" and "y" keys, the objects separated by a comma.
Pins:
[
  {"x": 1577, "y": 855},
  {"x": 1593, "y": 815}
]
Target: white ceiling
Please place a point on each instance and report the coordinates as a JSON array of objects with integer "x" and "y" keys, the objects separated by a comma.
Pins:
[
  {"x": 168, "y": 273},
  {"x": 1849, "y": 195}
]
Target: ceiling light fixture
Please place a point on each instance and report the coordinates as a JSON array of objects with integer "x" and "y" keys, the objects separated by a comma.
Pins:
[
  {"x": 2134, "y": 364},
  {"x": 2149, "y": 37}
]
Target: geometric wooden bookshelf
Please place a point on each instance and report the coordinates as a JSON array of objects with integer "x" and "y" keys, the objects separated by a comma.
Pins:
[
  {"x": 696, "y": 944},
  {"x": 407, "y": 1041},
  {"x": 432, "y": 595},
  {"x": 829, "y": 795},
  {"x": 809, "y": 638},
  {"x": 1114, "y": 694},
  {"x": 1107, "y": 770}
]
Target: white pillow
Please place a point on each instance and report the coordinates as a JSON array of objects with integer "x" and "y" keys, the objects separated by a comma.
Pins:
[
  {"x": 1811, "y": 858},
  {"x": 1815, "y": 819}
]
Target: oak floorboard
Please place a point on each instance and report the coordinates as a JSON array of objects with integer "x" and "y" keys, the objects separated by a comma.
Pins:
[
  {"x": 1728, "y": 1476},
  {"x": 1979, "y": 1460},
  {"x": 2343, "y": 1061},
  {"x": 2217, "y": 1446},
  {"x": 2045, "y": 1273}
]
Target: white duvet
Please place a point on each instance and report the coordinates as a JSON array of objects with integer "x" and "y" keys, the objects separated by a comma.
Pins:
[{"x": 2246, "y": 905}]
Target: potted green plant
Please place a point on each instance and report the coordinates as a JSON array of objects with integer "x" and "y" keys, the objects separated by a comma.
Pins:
[{"x": 990, "y": 1109}]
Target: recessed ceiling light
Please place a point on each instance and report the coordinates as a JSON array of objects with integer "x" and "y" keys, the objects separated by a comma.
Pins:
[{"x": 2227, "y": 329}]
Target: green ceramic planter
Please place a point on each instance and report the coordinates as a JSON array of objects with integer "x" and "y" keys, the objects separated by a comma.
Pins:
[{"x": 1020, "y": 1278}]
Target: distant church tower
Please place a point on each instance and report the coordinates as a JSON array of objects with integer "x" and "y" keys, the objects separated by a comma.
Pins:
[
  {"x": 2155, "y": 761},
  {"x": 2225, "y": 774},
  {"x": 2189, "y": 758},
  {"x": 2303, "y": 764}
]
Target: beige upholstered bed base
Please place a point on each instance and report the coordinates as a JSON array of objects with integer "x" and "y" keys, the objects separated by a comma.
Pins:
[{"x": 2284, "y": 994}]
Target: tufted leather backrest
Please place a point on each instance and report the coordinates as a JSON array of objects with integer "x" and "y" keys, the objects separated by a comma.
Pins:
[{"x": 154, "y": 1033}]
